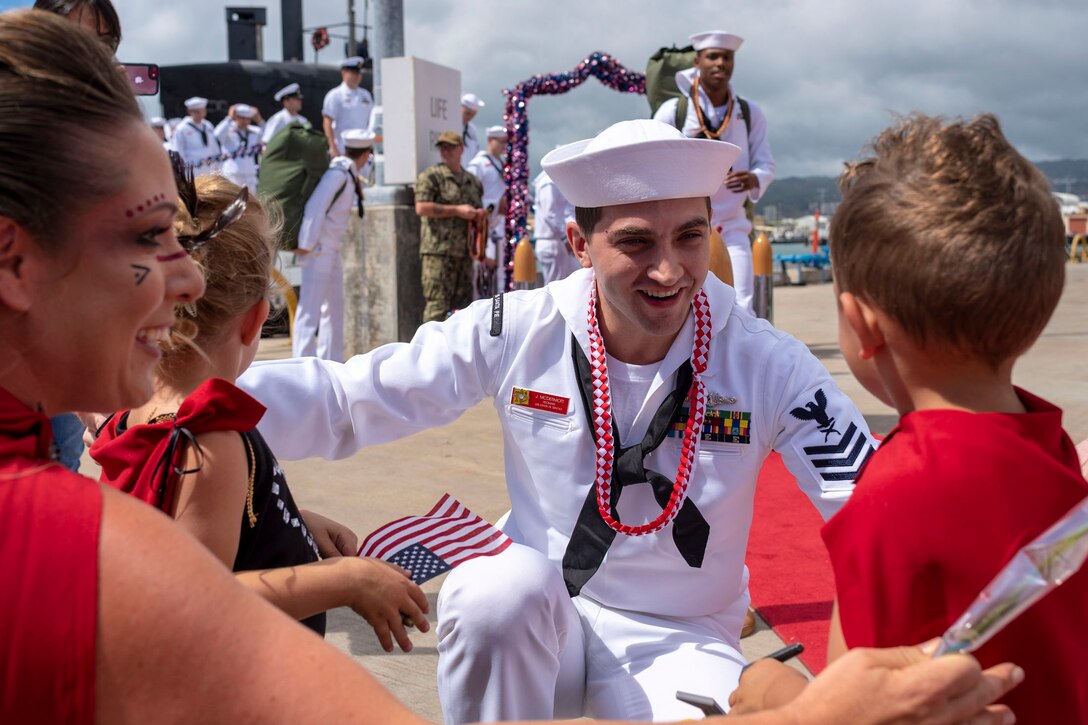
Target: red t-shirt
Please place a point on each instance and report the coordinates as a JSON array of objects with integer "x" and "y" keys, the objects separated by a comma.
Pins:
[
  {"x": 947, "y": 501},
  {"x": 49, "y": 523}
]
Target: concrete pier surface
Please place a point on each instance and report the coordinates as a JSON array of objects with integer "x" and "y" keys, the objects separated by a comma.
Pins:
[{"x": 465, "y": 459}]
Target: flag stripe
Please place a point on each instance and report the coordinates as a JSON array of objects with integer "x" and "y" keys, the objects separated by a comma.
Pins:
[
  {"x": 449, "y": 511},
  {"x": 497, "y": 541},
  {"x": 435, "y": 528}
]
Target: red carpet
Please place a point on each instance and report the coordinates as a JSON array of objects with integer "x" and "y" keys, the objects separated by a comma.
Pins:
[{"x": 791, "y": 582}]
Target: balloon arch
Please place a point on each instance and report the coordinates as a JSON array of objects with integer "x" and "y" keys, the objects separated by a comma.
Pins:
[{"x": 516, "y": 174}]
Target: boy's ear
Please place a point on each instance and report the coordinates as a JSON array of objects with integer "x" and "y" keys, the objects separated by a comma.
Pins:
[
  {"x": 253, "y": 321},
  {"x": 578, "y": 244},
  {"x": 865, "y": 323},
  {"x": 14, "y": 288}
]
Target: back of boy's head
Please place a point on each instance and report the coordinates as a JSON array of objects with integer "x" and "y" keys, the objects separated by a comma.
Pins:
[
  {"x": 954, "y": 235},
  {"x": 237, "y": 265}
]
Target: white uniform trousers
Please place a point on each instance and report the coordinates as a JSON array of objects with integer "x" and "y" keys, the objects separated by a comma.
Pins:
[
  {"x": 554, "y": 259},
  {"x": 740, "y": 255},
  {"x": 512, "y": 645},
  {"x": 320, "y": 309}
]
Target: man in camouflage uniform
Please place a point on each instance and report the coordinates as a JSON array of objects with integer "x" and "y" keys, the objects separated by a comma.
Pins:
[{"x": 447, "y": 198}]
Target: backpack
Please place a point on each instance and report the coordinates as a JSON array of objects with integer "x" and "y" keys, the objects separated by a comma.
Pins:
[{"x": 293, "y": 163}]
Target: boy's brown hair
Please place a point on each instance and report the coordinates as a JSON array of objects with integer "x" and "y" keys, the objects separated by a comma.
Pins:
[{"x": 953, "y": 234}]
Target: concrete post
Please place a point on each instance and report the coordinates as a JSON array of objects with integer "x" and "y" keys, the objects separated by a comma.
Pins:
[{"x": 382, "y": 290}]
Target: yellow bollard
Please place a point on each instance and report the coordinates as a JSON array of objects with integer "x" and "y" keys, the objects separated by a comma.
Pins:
[
  {"x": 1079, "y": 241},
  {"x": 719, "y": 259},
  {"x": 763, "y": 278},
  {"x": 283, "y": 287},
  {"x": 524, "y": 265}
]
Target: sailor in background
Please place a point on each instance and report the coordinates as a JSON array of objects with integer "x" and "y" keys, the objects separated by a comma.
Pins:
[
  {"x": 240, "y": 141},
  {"x": 551, "y": 212},
  {"x": 470, "y": 106},
  {"x": 158, "y": 125},
  {"x": 291, "y": 98},
  {"x": 487, "y": 166},
  {"x": 348, "y": 106},
  {"x": 715, "y": 111},
  {"x": 616, "y": 593},
  {"x": 320, "y": 310},
  {"x": 194, "y": 138}
]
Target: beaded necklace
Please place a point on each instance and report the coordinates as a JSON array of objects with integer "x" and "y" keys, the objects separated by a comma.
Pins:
[
  {"x": 707, "y": 131},
  {"x": 602, "y": 418}
]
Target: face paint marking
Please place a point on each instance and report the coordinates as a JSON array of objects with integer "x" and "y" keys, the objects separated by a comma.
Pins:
[
  {"x": 141, "y": 273},
  {"x": 171, "y": 257}
]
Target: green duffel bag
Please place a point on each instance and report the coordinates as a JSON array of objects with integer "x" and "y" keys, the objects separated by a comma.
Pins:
[{"x": 293, "y": 163}]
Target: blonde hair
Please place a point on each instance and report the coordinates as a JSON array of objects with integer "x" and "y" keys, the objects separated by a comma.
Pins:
[
  {"x": 237, "y": 266},
  {"x": 953, "y": 234},
  {"x": 60, "y": 94}
]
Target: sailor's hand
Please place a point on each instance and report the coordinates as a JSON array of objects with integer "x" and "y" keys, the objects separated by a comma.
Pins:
[{"x": 741, "y": 181}]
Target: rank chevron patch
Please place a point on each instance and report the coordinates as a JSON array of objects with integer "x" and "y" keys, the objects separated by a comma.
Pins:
[{"x": 846, "y": 457}]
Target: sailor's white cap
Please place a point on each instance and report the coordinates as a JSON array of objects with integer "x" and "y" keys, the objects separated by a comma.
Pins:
[
  {"x": 196, "y": 103},
  {"x": 291, "y": 89},
  {"x": 715, "y": 39},
  {"x": 496, "y": 132},
  {"x": 243, "y": 110},
  {"x": 358, "y": 138},
  {"x": 636, "y": 161},
  {"x": 471, "y": 100},
  {"x": 352, "y": 61},
  {"x": 157, "y": 122}
]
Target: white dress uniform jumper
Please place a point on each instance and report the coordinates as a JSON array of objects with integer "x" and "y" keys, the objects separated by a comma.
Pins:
[
  {"x": 197, "y": 144},
  {"x": 551, "y": 212},
  {"x": 325, "y": 219},
  {"x": 348, "y": 109},
  {"x": 280, "y": 120},
  {"x": 649, "y": 614},
  {"x": 243, "y": 149}
]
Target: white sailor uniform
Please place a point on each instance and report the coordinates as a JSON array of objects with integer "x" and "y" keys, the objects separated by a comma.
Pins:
[
  {"x": 471, "y": 143},
  {"x": 278, "y": 121},
  {"x": 320, "y": 309},
  {"x": 551, "y": 212},
  {"x": 197, "y": 145},
  {"x": 488, "y": 170},
  {"x": 512, "y": 643},
  {"x": 242, "y": 148},
  {"x": 727, "y": 207},
  {"x": 348, "y": 109}
]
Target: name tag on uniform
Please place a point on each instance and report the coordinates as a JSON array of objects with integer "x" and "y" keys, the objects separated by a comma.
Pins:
[{"x": 539, "y": 401}]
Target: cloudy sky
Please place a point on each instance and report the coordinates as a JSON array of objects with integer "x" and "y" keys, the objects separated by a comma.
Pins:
[{"x": 829, "y": 74}]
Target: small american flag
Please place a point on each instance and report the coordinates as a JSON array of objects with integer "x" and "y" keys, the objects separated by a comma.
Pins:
[{"x": 436, "y": 542}]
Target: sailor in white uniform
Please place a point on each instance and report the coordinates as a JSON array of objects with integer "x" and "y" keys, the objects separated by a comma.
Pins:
[
  {"x": 337, "y": 196},
  {"x": 291, "y": 98},
  {"x": 551, "y": 212},
  {"x": 194, "y": 138},
  {"x": 487, "y": 166},
  {"x": 720, "y": 114},
  {"x": 470, "y": 106},
  {"x": 158, "y": 125},
  {"x": 240, "y": 141},
  {"x": 633, "y": 395},
  {"x": 348, "y": 106}
]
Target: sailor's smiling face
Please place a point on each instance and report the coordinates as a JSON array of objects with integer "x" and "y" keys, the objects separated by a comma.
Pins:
[{"x": 650, "y": 259}]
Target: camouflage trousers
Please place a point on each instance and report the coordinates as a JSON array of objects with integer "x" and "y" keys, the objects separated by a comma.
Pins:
[{"x": 447, "y": 284}]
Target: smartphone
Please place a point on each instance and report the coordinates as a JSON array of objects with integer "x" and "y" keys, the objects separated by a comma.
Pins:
[
  {"x": 143, "y": 78},
  {"x": 708, "y": 705}
]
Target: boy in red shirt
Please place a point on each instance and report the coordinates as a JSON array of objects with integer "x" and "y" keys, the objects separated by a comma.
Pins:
[{"x": 948, "y": 255}]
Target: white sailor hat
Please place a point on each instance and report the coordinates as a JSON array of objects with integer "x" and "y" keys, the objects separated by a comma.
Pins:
[
  {"x": 196, "y": 103},
  {"x": 157, "y": 122},
  {"x": 358, "y": 138},
  {"x": 288, "y": 90},
  {"x": 636, "y": 161},
  {"x": 471, "y": 100},
  {"x": 243, "y": 110},
  {"x": 715, "y": 39},
  {"x": 496, "y": 132},
  {"x": 354, "y": 62}
]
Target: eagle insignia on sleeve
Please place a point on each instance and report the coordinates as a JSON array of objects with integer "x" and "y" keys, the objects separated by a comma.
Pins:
[{"x": 817, "y": 411}]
